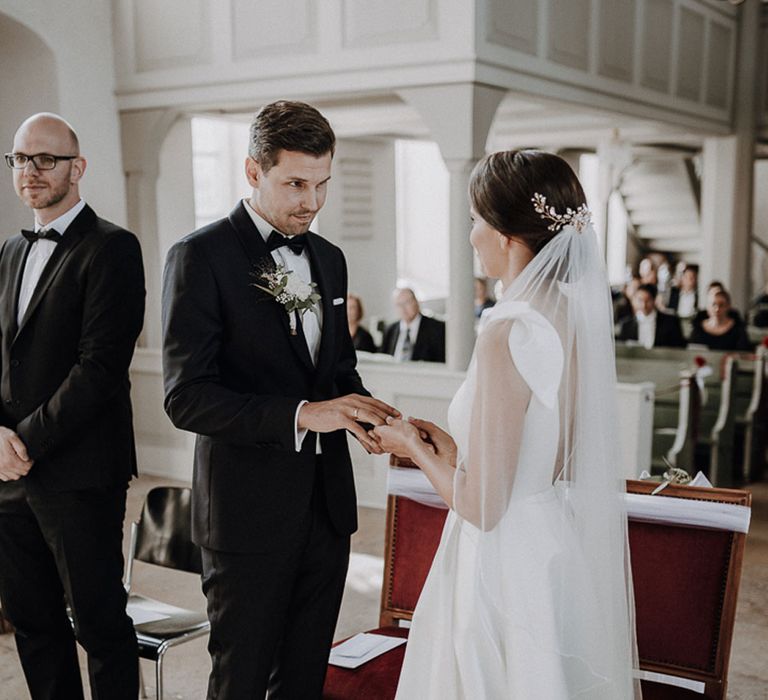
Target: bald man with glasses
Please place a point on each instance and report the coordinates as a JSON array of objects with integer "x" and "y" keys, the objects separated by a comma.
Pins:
[{"x": 71, "y": 309}]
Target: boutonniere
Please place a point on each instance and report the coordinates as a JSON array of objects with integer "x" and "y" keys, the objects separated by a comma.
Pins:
[{"x": 288, "y": 289}]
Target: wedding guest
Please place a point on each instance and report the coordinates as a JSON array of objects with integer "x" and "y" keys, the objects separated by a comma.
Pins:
[
  {"x": 648, "y": 272},
  {"x": 622, "y": 300},
  {"x": 714, "y": 287},
  {"x": 73, "y": 307},
  {"x": 414, "y": 336},
  {"x": 483, "y": 299},
  {"x": 649, "y": 326},
  {"x": 684, "y": 297},
  {"x": 361, "y": 338},
  {"x": 720, "y": 331},
  {"x": 759, "y": 309}
]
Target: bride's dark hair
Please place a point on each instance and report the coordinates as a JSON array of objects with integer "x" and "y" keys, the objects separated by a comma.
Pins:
[{"x": 502, "y": 186}]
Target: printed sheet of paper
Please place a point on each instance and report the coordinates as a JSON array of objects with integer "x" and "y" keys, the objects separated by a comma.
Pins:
[{"x": 361, "y": 648}]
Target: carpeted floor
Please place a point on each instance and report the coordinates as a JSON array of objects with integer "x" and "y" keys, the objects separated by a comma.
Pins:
[{"x": 187, "y": 667}]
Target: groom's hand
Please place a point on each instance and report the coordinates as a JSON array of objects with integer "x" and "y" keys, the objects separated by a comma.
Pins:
[{"x": 347, "y": 413}]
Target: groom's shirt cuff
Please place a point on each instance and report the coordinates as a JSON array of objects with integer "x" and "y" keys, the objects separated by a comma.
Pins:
[{"x": 299, "y": 434}]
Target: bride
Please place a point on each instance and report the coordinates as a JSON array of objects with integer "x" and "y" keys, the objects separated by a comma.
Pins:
[{"x": 529, "y": 594}]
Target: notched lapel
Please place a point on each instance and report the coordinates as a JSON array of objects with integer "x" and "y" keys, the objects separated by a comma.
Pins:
[{"x": 17, "y": 260}]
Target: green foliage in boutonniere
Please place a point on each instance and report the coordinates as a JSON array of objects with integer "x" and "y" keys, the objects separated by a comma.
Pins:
[{"x": 288, "y": 289}]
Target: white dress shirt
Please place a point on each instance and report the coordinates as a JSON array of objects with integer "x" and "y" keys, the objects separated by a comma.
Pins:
[
  {"x": 413, "y": 327},
  {"x": 311, "y": 323},
  {"x": 39, "y": 254},
  {"x": 646, "y": 329},
  {"x": 686, "y": 304}
]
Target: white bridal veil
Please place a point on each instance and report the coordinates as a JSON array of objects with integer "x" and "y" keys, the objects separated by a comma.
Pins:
[{"x": 553, "y": 563}]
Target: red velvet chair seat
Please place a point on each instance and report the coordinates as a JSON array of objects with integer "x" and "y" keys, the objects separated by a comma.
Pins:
[{"x": 375, "y": 680}]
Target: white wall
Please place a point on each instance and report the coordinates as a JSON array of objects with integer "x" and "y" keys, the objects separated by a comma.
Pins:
[
  {"x": 30, "y": 87},
  {"x": 359, "y": 217},
  {"x": 79, "y": 37}
]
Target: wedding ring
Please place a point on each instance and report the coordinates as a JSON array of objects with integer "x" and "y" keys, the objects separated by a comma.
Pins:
[{"x": 355, "y": 414}]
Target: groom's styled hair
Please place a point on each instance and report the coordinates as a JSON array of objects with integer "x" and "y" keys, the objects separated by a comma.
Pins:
[{"x": 293, "y": 126}]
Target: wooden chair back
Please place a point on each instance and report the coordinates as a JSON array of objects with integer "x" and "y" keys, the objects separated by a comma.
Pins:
[{"x": 686, "y": 581}]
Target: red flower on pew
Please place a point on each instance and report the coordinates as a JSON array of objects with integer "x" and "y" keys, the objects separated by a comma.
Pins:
[{"x": 699, "y": 361}]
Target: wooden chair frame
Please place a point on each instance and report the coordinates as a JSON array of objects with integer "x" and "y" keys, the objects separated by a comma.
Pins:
[{"x": 715, "y": 680}]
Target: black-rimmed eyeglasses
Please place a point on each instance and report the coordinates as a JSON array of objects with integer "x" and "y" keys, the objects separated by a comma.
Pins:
[{"x": 41, "y": 161}]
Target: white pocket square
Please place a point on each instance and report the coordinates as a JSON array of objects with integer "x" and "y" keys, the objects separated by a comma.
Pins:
[{"x": 338, "y": 300}]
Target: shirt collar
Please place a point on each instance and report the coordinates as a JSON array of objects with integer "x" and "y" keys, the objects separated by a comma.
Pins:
[
  {"x": 262, "y": 225},
  {"x": 413, "y": 326},
  {"x": 642, "y": 318},
  {"x": 61, "y": 223}
]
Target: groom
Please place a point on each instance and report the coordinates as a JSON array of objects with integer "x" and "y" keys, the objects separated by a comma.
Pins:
[{"x": 270, "y": 394}]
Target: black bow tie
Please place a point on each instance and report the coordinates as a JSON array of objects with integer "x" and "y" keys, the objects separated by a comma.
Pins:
[
  {"x": 44, "y": 234},
  {"x": 295, "y": 243}
]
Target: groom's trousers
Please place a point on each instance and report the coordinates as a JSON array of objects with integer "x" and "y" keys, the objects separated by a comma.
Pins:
[{"x": 273, "y": 614}]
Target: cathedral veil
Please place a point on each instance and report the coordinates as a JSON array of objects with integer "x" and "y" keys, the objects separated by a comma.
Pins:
[{"x": 552, "y": 333}]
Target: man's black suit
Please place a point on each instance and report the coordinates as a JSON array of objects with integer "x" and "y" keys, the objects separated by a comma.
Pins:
[
  {"x": 668, "y": 332},
  {"x": 274, "y": 523},
  {"x": 430, "y": 341},
  {"x": 65, "y": 391}
]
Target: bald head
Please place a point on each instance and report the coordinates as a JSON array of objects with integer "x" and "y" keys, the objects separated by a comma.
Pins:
[
  {"x": 50, "y": 192},
  {"x": 55, "y": 127},
  {"x": 406, "y": 304}
]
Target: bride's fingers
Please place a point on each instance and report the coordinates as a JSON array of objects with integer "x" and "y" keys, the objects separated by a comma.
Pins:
[{"x": 362, "y": 436}]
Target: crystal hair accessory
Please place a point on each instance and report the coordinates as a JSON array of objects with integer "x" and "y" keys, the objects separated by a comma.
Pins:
[{"x": 579, "y": 219}]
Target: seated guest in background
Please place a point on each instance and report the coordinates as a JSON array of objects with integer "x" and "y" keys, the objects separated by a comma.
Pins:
[
  {"x": 651, "y": 327},
  {"x": 483, "y": 300},
  {"x": 720, "y": 331},
  {"x": 414, "y": 337},
  {"x": 758, "y": 313},
  {"x": 647, "y": 272},
  {"x": 361, "y": 338},
  {"x": 622, "y": 300},
  {"x": 684, "y": 297},
  {"x": 714, "y": 287}
]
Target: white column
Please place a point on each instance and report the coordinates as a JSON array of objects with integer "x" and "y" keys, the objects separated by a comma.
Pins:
[
  {"x": 460, "y": 333},
  {"x": 143, "y": 134},
  {"x": 728, "y": 175},
  {"x": 459, "y": 117}
]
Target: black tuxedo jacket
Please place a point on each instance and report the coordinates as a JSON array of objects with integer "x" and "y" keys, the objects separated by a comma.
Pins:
[
  {"x": 430, "y": 342},
  {"x": 668, "y": 333},
  {"x": 235, "y": 375},
  {"x": 64, "y": 386}
]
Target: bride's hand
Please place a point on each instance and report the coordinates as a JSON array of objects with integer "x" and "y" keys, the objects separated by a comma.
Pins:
[
  {"x": 401, "y": 438},
  {"x": 445, "y": 447}
]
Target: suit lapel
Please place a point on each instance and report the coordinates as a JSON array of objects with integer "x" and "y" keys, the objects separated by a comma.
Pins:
[
  {"x": 261, "y": 260},
  {"x": 18, "y": 258},
  {"x": 83, "y": 223}
]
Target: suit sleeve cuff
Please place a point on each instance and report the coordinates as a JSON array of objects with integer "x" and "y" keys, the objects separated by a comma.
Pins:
[{"x": 299, "y": 435}]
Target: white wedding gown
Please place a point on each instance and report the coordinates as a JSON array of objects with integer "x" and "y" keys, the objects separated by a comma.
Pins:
[{"x": 495, "y": 619}]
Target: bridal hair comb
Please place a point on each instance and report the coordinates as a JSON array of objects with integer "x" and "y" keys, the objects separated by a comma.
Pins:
[{"x": 579, "y": 219}]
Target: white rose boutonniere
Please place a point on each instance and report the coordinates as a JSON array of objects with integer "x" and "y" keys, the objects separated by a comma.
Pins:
[{"x": 288, "y": 289}]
